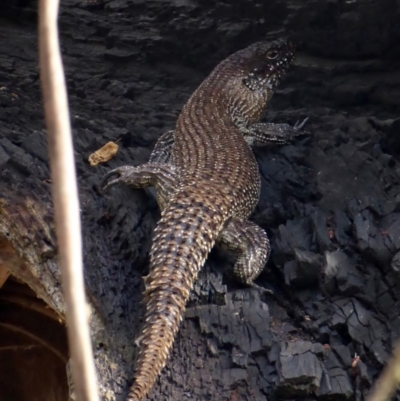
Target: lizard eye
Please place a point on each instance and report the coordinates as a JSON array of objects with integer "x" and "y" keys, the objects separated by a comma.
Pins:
[{"x": 272, "y": 54}]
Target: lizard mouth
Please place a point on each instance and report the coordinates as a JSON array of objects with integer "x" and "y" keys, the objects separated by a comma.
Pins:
[
  {"x": 274, "y": 79},
  {"x": 270, "y": 76},
  {"x": 275, "y": 71},
  {"x": 270, "y": 81}
]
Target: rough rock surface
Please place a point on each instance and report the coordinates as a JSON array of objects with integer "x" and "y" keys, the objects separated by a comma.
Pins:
[{"x": 330, "y": 203}]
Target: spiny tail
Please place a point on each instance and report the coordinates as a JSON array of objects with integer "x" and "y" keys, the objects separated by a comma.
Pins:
[{"x": 183, "y": 238}]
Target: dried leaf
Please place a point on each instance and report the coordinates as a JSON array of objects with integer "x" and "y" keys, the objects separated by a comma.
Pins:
[{"x": 104, "y": 154}]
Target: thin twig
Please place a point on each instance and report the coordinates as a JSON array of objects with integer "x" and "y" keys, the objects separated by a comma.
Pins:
[
  {"x": 389, "y": 379},
  {"x": 66, "y": 204}
]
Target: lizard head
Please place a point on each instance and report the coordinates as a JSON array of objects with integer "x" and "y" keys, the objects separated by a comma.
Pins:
[{"x": 264, "y": 63}]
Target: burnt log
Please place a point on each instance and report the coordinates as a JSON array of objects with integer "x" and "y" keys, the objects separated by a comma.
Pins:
[{"x": 330, "y": 202}]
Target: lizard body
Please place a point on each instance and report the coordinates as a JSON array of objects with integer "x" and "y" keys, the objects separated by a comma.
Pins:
[{"x": 207, "y": 184}]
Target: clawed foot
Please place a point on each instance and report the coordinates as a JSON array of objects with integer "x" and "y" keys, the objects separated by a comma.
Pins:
[
  {"x": 262, "y": 289},
  {"x": 299, "y": 125},
  {"x": 123, "y": 173}
]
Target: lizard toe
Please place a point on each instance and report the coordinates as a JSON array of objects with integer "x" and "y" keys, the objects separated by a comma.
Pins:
[
  {"x": 299, "y": 125},
  {"x": 262, "y": 289},
  {"x": 104, "y": 186},
  {"x": 122, "y": 172}
]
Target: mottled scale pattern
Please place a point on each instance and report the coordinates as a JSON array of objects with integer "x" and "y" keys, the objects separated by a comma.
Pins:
[
  {"x": 162, "y": 151},
  {"x": 184, "y": 237},
  {"x": 207, "y": 183}
]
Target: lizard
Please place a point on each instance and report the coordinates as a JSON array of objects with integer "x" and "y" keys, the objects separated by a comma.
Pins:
[{"x": 207, "y": 184}]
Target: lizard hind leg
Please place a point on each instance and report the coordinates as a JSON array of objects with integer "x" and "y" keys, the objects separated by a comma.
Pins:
[
  {"x": 159, "y": 175},
  {"x": 251, "y": 245},
  {"x": 163, "y": 148}
]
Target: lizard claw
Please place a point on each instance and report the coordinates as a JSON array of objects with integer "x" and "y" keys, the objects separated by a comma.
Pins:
[
  {"x": 119, "y": 171},
  {"x": 297, "y": 128},
  {"x": 262, "y": 289},
  {"x": 299, "y": 125}
]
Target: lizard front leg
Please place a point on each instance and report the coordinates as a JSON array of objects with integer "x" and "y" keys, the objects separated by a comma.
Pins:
[
  {"x": 251, "y": 245},
  {"x": 163, "y": 147},
  {"x": 263, "y": 134},
  {"x": 161, "y": 176}
]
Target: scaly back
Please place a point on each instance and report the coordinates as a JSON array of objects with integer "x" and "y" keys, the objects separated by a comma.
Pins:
[{"x": 209, "y": 146}]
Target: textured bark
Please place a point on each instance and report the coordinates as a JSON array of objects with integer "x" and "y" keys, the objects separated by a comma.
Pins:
[{"x": 330, "y": 204}]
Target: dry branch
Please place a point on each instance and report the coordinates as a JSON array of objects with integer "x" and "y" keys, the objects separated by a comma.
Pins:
[
  {"x": 66, "y": 204},
  {"x": 389, "y": 379}
]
